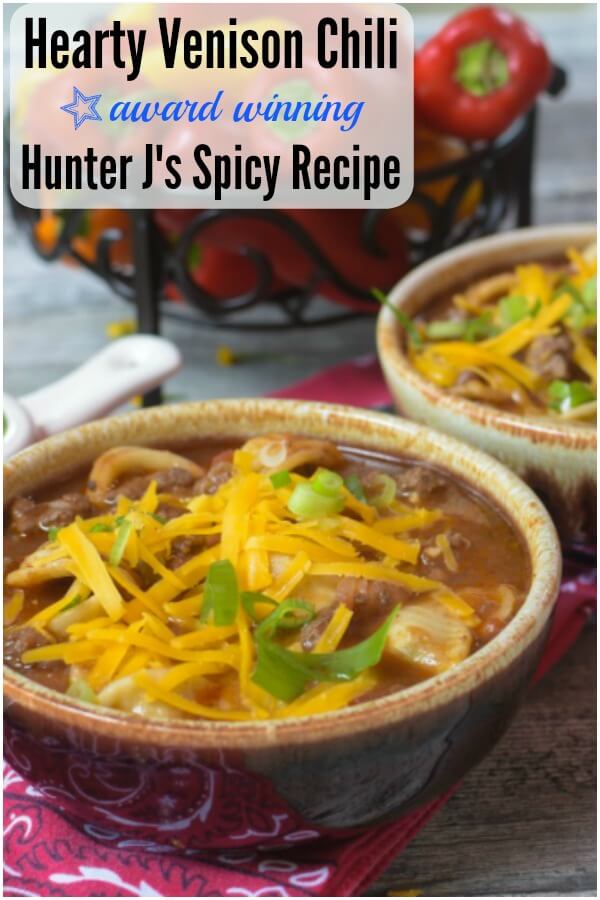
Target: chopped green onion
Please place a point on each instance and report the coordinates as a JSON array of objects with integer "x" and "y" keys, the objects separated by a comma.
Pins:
[
  {"x": 80, "y": 690},
  {"x": 588, "y": 294},
  {"x": 567, "y": 288},
  {"x": 327, "y": 483},
  {"x": 307, "y": 503},
  {"x": 578, "y": 317},
  {"x": 220, "y": 593},
  {"x": 582, "y": 311},
  {"x": 100, "y": 527},
  {"x": 288, "y": 619},
  {"x": 286, "y": 673},
  {"x": 513, "y": 309},
  {"x": 536, "y": 307},
  {"x": 118, "y": 548},
  {"x": 354, "y": 485},
  {"x": 249, "y": 600},
  {"x": 281, "y": 479},
  {"x": 566, "y": 395},
  {"x": 74, "y": 602},
  {"x": 445, "y": 330},
  {"x": 53, "y": 533},
  {"x": 386, "y": 490},
  {"x": 409, "y": 326},
  {"x": 481, "y": 327}
]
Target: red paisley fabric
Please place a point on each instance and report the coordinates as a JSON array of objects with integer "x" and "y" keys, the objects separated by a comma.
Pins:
[{"x": 46, "y": 854}]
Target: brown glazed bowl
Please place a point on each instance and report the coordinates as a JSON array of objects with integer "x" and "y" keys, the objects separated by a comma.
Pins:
[
  {"x": 200, "y": 784},
  {"x": 557, "y": 460}
]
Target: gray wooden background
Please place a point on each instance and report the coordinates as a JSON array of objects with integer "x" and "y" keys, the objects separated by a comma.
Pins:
[{"x": 523, "y": 823}]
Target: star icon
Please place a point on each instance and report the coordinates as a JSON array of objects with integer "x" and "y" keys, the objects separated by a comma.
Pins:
[{"x": 83, "y": 108}]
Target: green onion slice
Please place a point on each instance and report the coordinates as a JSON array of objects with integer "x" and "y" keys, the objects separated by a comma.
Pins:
[
  {"x": 249, "y": 599},
  {"x": 288, "y": 618},
  {"x": 513, "y": 309},
  {"x": 566, "y": 395},
  {"x": 53, "y": 533},
  {"x": 445, "y": 330},
  {"x": 588, "y": 294},
  {"x": 567, "y": 288},
  {"x": 306, "y": 503},
  {"x": 281, "y": 479},
  {"x": 286, "y": 673},
  {"x": 354, "y": 485},
  {"x": 480, "y": 328},
  {"x": 220, "y": 593},
  {"x": 327, "y": 483},
  {"x": 386, "y": 489},
  {"x": 118, "y": 548},
  {"x": 100, "y": 527},
  {"x": 409, "y": 326}
]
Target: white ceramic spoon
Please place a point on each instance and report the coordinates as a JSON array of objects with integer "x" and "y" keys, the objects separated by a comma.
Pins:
[{"x": 129, "y": 366}]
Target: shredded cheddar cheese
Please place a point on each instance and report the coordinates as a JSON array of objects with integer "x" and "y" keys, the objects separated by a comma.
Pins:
[
  {"x": 521, "y": 340},
  {"x": 335, "y": 630},
  {"x": 137, "y": 626}
]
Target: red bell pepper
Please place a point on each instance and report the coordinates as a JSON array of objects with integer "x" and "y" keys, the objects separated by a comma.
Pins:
[
  {"x": 337, "y": 235},
  {"x": 479, "y": 73},
  {"x": 223, "y": 273}
]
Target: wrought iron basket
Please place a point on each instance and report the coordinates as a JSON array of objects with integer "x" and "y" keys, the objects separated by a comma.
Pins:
[{"x": 502, "y": 170}]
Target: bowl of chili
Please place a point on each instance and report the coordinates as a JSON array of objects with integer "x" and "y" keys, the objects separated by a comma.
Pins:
[
  {"x": 493, "y": 343},
  {"x": 366, "y": 504}
]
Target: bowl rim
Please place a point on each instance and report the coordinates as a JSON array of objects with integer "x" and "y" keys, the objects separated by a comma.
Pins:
[
  {"x": 510, "y": 495},
  {"x": 395, "y": 360}
]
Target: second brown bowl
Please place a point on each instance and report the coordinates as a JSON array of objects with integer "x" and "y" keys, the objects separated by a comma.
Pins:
[{"x": 558, "y": 460}]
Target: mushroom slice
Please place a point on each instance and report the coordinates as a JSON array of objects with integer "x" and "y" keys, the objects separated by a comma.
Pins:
[
  {"x": 488, "y": 289},
  {"x": 81, "y": 612},
  {"x": 33, "y": 570},
  {"x": 273, "y": 452},
  {"x": 429, "y": 637},
  {"x": 126, "y": 695},
  {"x": 118, "y": 462}
]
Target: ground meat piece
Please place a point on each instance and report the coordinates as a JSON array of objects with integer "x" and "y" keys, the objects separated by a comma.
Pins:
[
  {"x": 185, "y": 548},
  {"x": 550, "y": 356},
  {"x": 418, "y": 482},
  {"x": 370, "y": 602},
  {"x": 429, "y": 553},
  {"x": 52, "y": 674},
  {"x": 167, "y": 511},
  {"x": 27, "y": 517},
  {"x": 458, "y": 540},
  {"x": 367, "y": 597},
  {"x": 174, "y": 481},
  {"x": 310, "y": 633},
  {"x": 219, "y": 473}
]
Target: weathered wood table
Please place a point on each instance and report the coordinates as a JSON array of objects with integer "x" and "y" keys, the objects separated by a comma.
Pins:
[{"x": 524, "y": 821}]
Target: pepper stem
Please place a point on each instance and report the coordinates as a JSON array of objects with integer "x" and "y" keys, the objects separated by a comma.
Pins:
[{"x": 482, "y": 68}]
